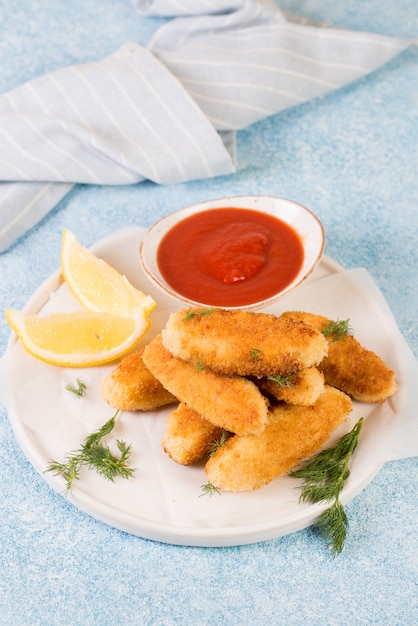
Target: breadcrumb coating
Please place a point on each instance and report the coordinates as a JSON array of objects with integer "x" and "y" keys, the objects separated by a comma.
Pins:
[
  {"x": 243, "y": 342},
  {"x": 132, "y": 387},
  {"x": 349, "y": 366},
  {"x": 230, "y": 402},
  {"x": 188, "y": 437},
  {"x": 293, "y": 434},
  {"x": 303, "y": 387}
]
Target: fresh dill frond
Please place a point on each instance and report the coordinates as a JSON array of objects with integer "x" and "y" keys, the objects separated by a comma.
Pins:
[
  {"x": 97, "y": 435},
  {"x": 283, "y": 381},
  {"x": 218, "y": 443},
  {"x": 324, "y": 477},
  {"x": 255, "y": 353},
  {"x": 190, "y": 314},
  {"x": 97, "y": 456},
  {"x": 100, "y": 458},
  {"x": 338, "y": 329},
  {"x": 70, "y": 471},
  {"x": 78, "y": 390},
  {"x": 332, "y": 524},
  {"x": 199, "y": 366},
  {"x": 209, "y": 490}
]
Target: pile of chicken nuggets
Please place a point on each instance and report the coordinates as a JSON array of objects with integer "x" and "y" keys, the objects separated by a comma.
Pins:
[{"x": 271, "y": 389}]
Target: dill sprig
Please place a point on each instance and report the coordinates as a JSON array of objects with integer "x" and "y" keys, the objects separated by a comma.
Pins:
[
  {"x": 283, "y": 381},
  {"x": 324, "y": 478},
  {"x": 218, "y": 443},
  {"x": 255, "y": 353},
  {"x": 78, "y": 390},
  {"x": 190, "y": 314},
  {"x": 209, "y": 490},
  {"x": 338, "y": 329},
  {"x": 95, "y": 455}
]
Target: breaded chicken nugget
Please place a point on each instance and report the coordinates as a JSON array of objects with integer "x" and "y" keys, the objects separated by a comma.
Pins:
[
  {"x": 349, "y": 366},
  {"x": 188, "y": 436},
  {"x": 243, "y": 342},
  {"x": 233, "y": 403},
  {"x": 132, "y": 387},
  {"x": 293, "y": 434},
  {"x": 302, "y": 388}
]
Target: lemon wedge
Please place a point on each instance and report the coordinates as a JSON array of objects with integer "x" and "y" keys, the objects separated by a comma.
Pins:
[
  {"x": 78, "y": 339},
  {"x": 97, "y": 285}
]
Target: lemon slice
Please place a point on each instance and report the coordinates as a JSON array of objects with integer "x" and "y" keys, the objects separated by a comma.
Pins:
[
  {"x": 96, "y": 284},
  {"x": 79, "y": 339}
]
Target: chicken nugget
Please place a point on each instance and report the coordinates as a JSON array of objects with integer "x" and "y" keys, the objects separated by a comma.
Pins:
[
  {"x": 293, "y": 434},
  {"x": 302, "y": 388},
  {"x": 349, "y": 366},
  {"x": 233, "y": 403},
  {"x": 132, "y": 387},
  {"x": 188, "y": 436},
  {"x": 243, "y": 342}
]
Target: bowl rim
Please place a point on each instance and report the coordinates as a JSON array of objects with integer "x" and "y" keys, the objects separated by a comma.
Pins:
[{"x": 166, "y": 222}]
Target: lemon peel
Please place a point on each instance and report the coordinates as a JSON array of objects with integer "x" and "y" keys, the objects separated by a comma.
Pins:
[
  {"x": 78, "y": 339},
  {"x": 97, "y": 285},
  {"x": 114, "y": 318}
]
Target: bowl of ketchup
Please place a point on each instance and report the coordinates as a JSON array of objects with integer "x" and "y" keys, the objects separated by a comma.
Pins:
[{"x": 235, "y": 252}]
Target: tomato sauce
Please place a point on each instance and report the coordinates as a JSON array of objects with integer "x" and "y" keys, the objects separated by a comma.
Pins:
[{"x": 230, "y": 256}]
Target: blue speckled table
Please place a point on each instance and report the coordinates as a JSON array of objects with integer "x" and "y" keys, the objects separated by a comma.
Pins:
[{"x": 351, "y": 157}]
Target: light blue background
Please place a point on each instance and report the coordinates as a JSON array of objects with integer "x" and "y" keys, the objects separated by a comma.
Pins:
[{"x": 352, "y": 158}]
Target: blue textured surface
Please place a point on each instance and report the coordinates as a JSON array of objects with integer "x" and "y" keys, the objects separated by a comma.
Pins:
[{"x": 352, "y": 158}]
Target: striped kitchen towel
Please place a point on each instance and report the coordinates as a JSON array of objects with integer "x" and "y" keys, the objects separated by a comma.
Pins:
[{"x": 168, "y": 112}]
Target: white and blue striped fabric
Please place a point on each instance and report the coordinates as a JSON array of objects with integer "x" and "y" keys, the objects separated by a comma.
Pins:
[{"x": 167, "y": 113}]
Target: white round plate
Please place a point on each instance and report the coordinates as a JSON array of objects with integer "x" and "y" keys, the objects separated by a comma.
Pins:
[{"x": 164, "y": 501}]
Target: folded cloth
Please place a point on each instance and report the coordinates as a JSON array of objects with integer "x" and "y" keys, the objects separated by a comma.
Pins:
[{"x": 167, "y": 113}]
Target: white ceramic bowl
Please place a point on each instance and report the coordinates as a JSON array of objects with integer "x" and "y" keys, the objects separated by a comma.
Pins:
[{"x": 303, "y": 221}]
